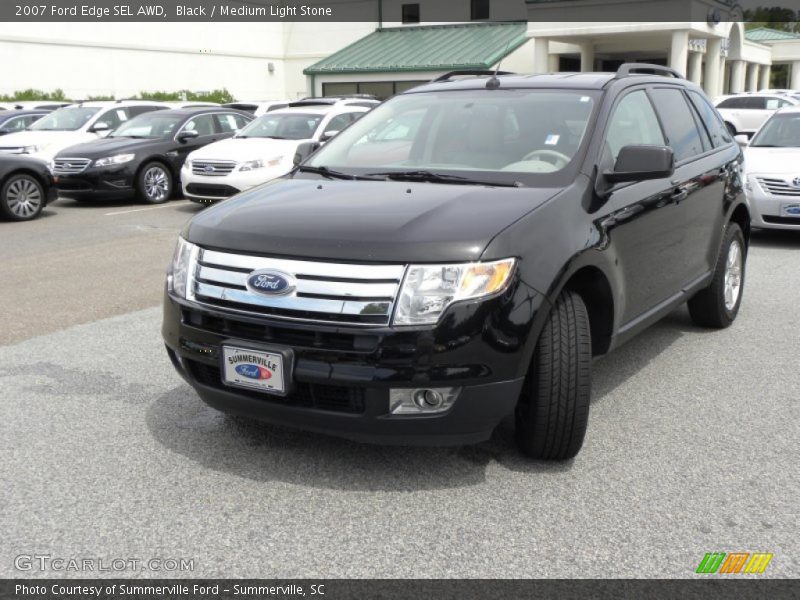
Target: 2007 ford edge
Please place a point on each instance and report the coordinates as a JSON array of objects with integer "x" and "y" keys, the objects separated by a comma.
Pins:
[{"x": 461, "y": 253}]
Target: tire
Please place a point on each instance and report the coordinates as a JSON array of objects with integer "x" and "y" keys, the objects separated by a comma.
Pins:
[
  {"x": 553, "y": 410},
  {"x": 731, "y": 128},
  {"x": 22, "y": 197},
  {"x": 154, "y": 183},
  {"x": 718, "y": 304}
]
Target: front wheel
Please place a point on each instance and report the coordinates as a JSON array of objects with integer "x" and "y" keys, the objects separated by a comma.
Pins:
[
  {"x": 718, "y": 304},
  {"x": 553, "y": 410},
  {"x": 22, "y": 198},
  {"x": 154, "y": 183}
]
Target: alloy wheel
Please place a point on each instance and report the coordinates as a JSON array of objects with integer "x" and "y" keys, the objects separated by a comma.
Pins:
[
  {"x": 24, "y": 198},
  {"x": 156, "y": 184},
  {"x": 733, "y": 275}
]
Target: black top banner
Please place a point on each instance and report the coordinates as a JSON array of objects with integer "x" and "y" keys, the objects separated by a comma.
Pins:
[{"x": 391, "y": 11}]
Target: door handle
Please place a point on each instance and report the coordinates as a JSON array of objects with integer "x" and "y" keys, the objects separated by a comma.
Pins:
[{"x": 679, "y": 196}]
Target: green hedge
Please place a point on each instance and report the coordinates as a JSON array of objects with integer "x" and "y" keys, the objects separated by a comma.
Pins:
[{"x": 222, "y": 96}]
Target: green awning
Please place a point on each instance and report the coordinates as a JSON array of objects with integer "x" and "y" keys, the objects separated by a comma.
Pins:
[
  {"x": 767, "y": 34},
  {"x": 426, "y": 48}
]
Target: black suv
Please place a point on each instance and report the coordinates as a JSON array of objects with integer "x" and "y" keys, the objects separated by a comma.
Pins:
[
  {"x": 142, "y": 157},
  {"x": 415, "y": 286}
]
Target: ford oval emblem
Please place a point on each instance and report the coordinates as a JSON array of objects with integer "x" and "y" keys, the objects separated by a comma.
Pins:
[
  {"x": 270, "y": 283},
  {"x": 253, "y": 371},
  {"x": 793, "y": 209}
]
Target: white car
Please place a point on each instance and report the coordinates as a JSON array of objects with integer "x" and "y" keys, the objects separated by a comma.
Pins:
[
  {"x": 73, "y": 124},
  {"x": 745, "y": 113},
  {"x": 772, "y": 172},
  {"x": 263, "y": 150}
]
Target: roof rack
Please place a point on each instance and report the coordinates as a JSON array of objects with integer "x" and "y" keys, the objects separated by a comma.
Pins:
[
  {"x": 474, "y": 72},
  {"x": 629, "y": 69}
]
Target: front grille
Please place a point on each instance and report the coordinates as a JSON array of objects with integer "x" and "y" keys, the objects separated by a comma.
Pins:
[
  {"x": 782, "y": 220},
  {"x": 70, "y": 166},
  {"x": 324, "y": 292},
  {"x": 210, "y": 190},
  {"x": 301, "y": 339},
  {"x": 778, "y": 187},
  {"x": 213, "y": 168},
  {"x": 332, "y": 398}
]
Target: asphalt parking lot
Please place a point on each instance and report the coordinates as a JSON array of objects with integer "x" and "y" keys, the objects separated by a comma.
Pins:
[{"x": 106, "y": 453}]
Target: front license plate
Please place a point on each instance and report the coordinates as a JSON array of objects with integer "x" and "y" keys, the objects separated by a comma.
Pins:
[
  {"x": 253, "y": 369},
  {"x": 791, "y": 210}
]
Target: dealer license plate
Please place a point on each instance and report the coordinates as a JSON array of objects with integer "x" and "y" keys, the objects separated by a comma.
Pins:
[{"x": 253, "y": 369}]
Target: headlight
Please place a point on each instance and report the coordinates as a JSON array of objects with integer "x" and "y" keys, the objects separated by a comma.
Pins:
[
  {"x": 428, "y": 290},
  {"x": 119, "y": 159},
  {"x": 29, "y": 149},
  {"x": 180, "y": 271},
  {"x": 250, "y": 165}
]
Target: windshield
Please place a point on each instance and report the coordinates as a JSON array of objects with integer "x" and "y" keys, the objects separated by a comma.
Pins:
[
  {"x": 295, "y": 126},
  {"x": 149, "y": 125},
  {"x": 65, "y": 119},
  {"x": 516, "y": 135},
  {"x": 781, "y": 131}
]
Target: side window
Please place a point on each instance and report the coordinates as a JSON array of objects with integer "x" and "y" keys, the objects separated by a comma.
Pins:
[
  {"x": 16, "y": 124},
  {"x": 114, "y": 117},
  {"x": 338, "y": 123},
  {"x": 732, "y": 103},
  {"x": 240, "y": 120},
  {"x": 202, "y": 124},
  {"x": 755, "y": 102},
  {"x": 227, "y": 122},
  {"x": 683, "y": 135},
  {"x": 776, "y": 103},
  {"x": 634, "y": 122},
  {"x": 711, "y": 119},
  {"x": 135, "y": 111}
]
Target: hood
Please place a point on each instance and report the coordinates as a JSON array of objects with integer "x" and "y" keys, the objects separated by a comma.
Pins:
[
  {"x": 765, "y": 161},
  {"x": 50, "y": 142},
  {"x": 364, "y": 220},
  {"x": 98, "y": 148},
  {"x": 241, "y": 149}
]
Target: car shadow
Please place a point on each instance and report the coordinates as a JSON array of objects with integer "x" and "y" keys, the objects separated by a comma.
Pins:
[
  {"x": 180, "y": 421},
  {"x": 775, "y": 238}
]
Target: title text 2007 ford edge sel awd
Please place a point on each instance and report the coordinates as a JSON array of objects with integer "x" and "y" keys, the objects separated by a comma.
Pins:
[{"x": 462, "y": 252}]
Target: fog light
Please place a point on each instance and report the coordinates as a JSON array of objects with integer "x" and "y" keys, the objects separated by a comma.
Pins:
[{"x": 422, "y": 400}]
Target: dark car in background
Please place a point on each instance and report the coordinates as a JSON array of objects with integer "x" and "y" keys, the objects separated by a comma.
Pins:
[
  {"x": 25, "y": 187},
  {"x": 12, "y": 121},
  {"x": 143, "y": 157}
]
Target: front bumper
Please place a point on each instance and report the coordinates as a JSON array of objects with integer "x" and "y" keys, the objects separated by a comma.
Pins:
[
  {"x": 204, "y": 188},
  {"x": 111, "y": 183},
  {"x": 343, "y": 377},
  {"x": 769, "y": 211}
]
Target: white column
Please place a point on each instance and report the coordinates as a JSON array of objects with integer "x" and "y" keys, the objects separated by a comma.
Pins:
[
  {"x": 713, "y": 78},
  {"x": 795, "y": 81},
  {"x": 695, "y": 67},
  {"x": 553, "y": 63},
  {"x": 737, "y": 76},
  {"x": 678, "y": 51},
  {"x": 752, "y": 77},
  {"x": 540, "y": 53},
  {"x": 724, "y": 77},
  {"x": 763, "y": 79},
  {"x": 587, "y": 57}
]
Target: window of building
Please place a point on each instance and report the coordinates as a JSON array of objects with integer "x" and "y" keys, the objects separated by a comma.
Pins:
[
  {"x": 410, "y": 13},
  {"x": 683, "y": 136},
  {"x": 380, "y": 89},
  {"x": 479, "y": 10}
]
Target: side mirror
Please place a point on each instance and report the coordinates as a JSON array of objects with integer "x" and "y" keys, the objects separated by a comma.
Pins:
[
  {"x": 186, "y": 135},
  {"x": 742, "y": 139},
  {"x": 101, "y": 127},
  {"x": 328, "y": 135},
  {"x": 640, "y": 162},
  {"x": 304, "y": 150}
]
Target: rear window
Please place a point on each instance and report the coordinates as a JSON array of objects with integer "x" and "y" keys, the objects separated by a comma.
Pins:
[
  {"x": 711, "y": 120},
  {"x": 683, "y": 136}
]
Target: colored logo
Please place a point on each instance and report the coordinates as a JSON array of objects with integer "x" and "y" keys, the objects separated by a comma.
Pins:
[
  {"x": 793, "y": 209},
  {"x": 271, "y": 283},
  {"x": 253, "y": 371},
  {"x": 734, "y": 563}
]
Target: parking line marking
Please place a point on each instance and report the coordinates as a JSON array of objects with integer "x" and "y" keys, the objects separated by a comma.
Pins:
[{"x": 125, "y": 212}]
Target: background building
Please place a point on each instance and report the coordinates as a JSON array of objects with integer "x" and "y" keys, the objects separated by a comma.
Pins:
[{"x": 408, "y": 43}]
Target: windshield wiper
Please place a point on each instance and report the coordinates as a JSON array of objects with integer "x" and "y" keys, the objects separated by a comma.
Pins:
[
  {"x": 331, "y": 174},
  {"x": 430, "y": 176}
]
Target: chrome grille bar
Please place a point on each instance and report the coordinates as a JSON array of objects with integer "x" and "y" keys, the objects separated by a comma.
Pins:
[
  {"x": 70, "y": 166},
  {"x": 325, "y": 292},
  {"x": 778, "y": 187},
  {"x": 213, "y": 168}
]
